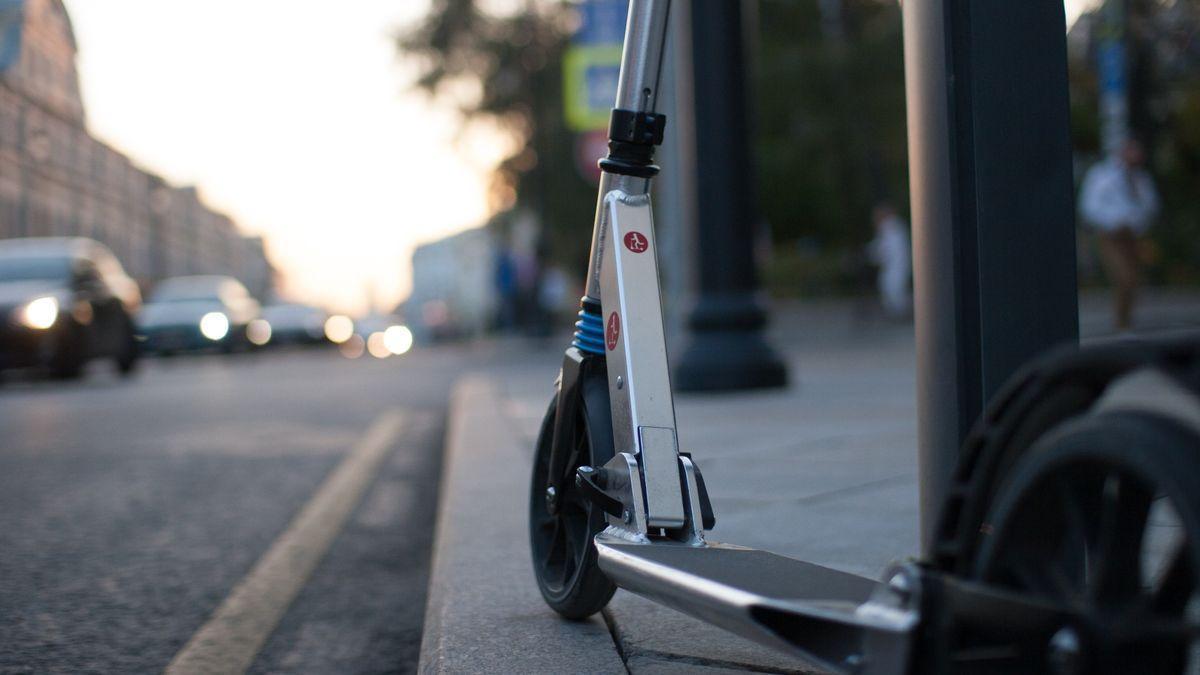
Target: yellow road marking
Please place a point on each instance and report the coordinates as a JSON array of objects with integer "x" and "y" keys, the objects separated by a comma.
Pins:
[{"x": 232, "y": 637}]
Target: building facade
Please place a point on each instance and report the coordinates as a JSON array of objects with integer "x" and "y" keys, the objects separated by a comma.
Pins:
[
  {"x": 452, "y": 288},
  {"x": 57, "y": 180}
]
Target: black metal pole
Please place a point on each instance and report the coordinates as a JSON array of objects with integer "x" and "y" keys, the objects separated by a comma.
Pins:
[
  {"x": 725, "y": 349},
  {"x": 993, "y": 209}
]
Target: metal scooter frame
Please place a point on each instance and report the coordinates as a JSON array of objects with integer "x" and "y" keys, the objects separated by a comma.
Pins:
[{"x": 653, "y": 496}]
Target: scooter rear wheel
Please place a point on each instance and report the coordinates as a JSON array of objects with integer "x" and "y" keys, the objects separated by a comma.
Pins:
[
  {"x": 564, "y": 555},
  {"x": 1101, "y": 517}
]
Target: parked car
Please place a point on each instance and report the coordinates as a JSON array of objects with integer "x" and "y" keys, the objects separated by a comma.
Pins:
[
  {"x": 63, "y": 302},
  {"x": 195, "y": 313},
  {"x": 292, "y": 323}
]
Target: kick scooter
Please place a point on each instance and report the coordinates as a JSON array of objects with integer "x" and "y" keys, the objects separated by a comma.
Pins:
[{"x": 1069, "y": 541}]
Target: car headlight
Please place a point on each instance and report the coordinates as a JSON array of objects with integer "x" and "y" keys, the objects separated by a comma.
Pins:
[
  {"x": 258, "y": 331},
  {"x": 398, "y": 339},
  {"x": 339, "y": 328},
  {"x": 214, "y": 326},
  {"x": 40, "y": 313}
]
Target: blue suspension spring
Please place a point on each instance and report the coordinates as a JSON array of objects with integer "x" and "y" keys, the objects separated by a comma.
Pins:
[{"x": 589, "y": 333}]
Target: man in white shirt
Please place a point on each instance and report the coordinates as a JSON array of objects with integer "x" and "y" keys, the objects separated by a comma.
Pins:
[
  {"x": 891, "y": 250},
  {"x": 1118, "y": 200}
]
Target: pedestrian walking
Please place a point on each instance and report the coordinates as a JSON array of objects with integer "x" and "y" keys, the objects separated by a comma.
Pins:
[
  {"x": 891, "y": 251},
  {"x": 1119, "y": 203}
]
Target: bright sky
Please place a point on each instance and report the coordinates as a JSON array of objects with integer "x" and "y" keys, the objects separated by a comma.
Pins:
[
  {"x": 1076, "y": 7},
  {"x": 295, "y": 118}
]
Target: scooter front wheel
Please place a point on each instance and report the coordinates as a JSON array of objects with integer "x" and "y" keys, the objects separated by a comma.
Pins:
[{"x": 561, "y": 536}]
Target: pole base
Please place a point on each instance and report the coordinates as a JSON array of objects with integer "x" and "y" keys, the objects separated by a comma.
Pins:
[{"x": 726, "y": 350}]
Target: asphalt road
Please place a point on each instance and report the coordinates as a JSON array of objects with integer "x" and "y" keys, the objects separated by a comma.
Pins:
[{"x": 131, "y": 510}]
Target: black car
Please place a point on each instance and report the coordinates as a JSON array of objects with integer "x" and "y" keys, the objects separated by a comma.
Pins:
[{"x": 63, "y": 302}]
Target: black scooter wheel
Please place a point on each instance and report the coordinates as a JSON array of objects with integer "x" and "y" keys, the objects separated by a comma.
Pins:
[
  {"x": 564, "y": 554},
  {"x": 1101, "y": 517}
]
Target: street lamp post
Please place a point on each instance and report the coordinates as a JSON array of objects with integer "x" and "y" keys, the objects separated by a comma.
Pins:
[
  {"x": 993, "y": 210},
  {"x": 725, "y": 349}
]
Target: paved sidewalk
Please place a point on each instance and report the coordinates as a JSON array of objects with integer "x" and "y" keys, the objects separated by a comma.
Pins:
[{"x": 824, "y": 471}]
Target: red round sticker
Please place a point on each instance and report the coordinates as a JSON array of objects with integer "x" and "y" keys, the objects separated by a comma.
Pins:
[
  {"x": 613, "y": 331},
  {"x": 637, "y": 242}
]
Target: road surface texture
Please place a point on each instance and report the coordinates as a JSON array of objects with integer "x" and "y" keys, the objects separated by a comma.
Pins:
[{"x": 135, "y": 514}]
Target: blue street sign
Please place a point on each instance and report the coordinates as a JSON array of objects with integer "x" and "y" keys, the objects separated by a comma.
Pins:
[
  {"x": 1111, "y": 56},
  {"x": 592, "y": 64},
  {"x": 602, "y": 84},
  {"x": 602, "y": 22},
  {"x": 12, "y": 16}
]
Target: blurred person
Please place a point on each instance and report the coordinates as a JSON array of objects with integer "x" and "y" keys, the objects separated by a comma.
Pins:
[
  {"x": 504, "y": 278},
  {"x": 891, "y": 251},
  {"x": 1119, "y": 202}
]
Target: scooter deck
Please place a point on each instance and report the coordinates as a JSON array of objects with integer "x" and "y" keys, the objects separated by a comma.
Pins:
[{"x": 808, "y": 610}]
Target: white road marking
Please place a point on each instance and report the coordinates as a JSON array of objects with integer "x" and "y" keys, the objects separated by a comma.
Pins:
[{"x": 235, "y": 633}]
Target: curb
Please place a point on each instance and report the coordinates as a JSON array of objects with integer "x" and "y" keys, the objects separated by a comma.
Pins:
[{"x": 484, "y": 613}]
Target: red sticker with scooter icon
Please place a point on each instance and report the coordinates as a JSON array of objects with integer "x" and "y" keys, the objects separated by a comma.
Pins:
[
  {"x": 613, "y": 331},
  {"x": 637, "y": 242}
]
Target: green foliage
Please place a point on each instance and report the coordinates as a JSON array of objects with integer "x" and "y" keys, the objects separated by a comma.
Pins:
[
  {"x": 794, "y": 271},
  {"x": 831, "y": 138},
  {"x": 506, "y": 67}
]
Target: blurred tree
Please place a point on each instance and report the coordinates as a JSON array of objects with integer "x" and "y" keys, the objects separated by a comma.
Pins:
[
  {"x": 832, "y": 140},
  {"x": 830, "y": 120},
  {"x": 830, "y": 106},
  {"x": 503, "y": 63}
]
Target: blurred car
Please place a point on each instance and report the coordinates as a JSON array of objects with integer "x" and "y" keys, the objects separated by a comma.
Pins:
[
  {"x": 379, "y": 335},
  {"x": 195, "y": 313},
  {"x": 63, "y": 302},
  {"x": 293, "y": 323}
]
